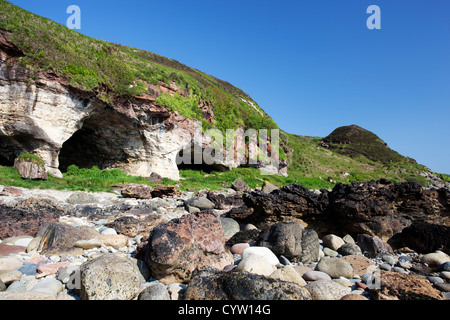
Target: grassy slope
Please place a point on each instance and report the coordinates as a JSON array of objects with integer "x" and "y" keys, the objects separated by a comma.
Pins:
[{"x": 110, "y": 71}]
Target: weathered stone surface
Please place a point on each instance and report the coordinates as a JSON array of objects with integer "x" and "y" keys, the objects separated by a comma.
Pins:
[
  {"x": 425, "y": 237},
  {"x": 223, "y": 202},
  {"x": 63, "y": 235},
  {"x": 176, "y": 248},
  {"x": 26, "y": 296},
  {"x": 256, "y": 264},
  {"x": 27, "y": 217},
  {"x": 326, "y": 290},
  {"x": 211, "y": 284},
  {"x": 162, "y": 191},
  {"x": 240, "y": 185},
  {"x": 291, "y": 240},
  {"x": 131, "y": 226},
  {"x": 373, "y": 246},
  {"x": 360, "y": 264},
  {"x": 202, "y": 203},
  {"x": 288, "y": 273},
  {"x": 30, "y": 170},
  {"x": 333, "y": 241},
  {"x": 137, "y": 191},
  {"x": 398, "y": 286},
  {"x": 290, "y": 203},
  {"x": 383, "y": 209},
  {"x": 108, "y": 277}
]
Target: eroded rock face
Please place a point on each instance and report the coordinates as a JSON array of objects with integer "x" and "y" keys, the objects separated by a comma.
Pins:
[
  {"x": 63, "y": 125},
  {"x": 176, "y": 248},
  {"x": 398, "y": 286}
]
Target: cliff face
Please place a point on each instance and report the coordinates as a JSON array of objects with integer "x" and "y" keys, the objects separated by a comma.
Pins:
[{"x": 43, "y": 114}]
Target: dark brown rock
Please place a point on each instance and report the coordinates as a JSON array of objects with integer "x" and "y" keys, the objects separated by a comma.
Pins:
[
  {"x": 399, "y": 286},
  {"x": 27, "y": 217},
  {"x": 162, "y": 191},
  {"x": 176, "y": 248},
  {"x": 383, "y": 208},
  {"x": 240, "y": 185},
  {"x": 290, "y": 203},
  {"x": 211, "y": 284},
  {"x": 155, "y": 178},
  {"x": 131, "y": 226},
  {"x": 425, "y": 237},
  {"x": 223, "y": 202},
  {"x": 137, "y": 191}
]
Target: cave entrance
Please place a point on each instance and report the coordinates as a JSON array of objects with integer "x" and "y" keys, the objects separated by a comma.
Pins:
[
  {"x": 186, "y": 161},
  {"x": 93, "y": 145}
]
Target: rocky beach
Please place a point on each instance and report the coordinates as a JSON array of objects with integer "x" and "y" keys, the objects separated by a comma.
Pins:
[{"x": 366, "y": 241}]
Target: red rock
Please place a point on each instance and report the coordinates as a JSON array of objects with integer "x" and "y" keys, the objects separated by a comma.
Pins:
[
  {"x": 238, "y": 248},
  {"x": 361, "y": 285},
  {"x": 399, "y": 286},
  {"x": 51, "y": 268},
  {"x": 6, "y": 250},
  {"x": 176, "y": 248}
]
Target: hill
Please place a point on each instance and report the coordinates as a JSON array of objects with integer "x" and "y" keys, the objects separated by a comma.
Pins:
[{"x": 96, "y": 103}]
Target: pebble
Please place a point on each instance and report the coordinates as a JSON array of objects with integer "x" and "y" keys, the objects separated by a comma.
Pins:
[
  {"x": 49, "y": 286},
  {"x": 404, "y": 264},
  {"x": 388, "y": 259},
  {"x": 434, "y": 279},
  {"x": 400, "y": 270},
  {"x": 17, "y": 286},
  {"x": 386, "y": 267},
  {"x": 239, "y": 248},
  {"x": 29, "y": 269},
  {"x": 315, "y": 275},
  {"x": 329, "y": 252},
  {"x": 445, "y": 275}
]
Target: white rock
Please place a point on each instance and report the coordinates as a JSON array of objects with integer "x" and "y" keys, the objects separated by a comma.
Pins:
[
  {"x": 262, "y": 252},
  {"x": 435, "y": 259},
  {"x": 256, "y": 264},
  {"x": 10, "y": 263},
  {"x": 48, "y": 285}
]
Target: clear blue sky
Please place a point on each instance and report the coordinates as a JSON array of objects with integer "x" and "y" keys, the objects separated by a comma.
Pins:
[{"x": 312, "y": 65}]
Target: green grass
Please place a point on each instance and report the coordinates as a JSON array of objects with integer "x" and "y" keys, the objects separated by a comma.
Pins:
[
  {"x": 192, "y": 179},
  {"x": 75, "y": 179},
  {"x": 33, "y": 158}
]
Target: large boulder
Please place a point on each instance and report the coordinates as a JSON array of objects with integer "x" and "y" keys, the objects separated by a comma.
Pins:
[
  {"x": 176, "y": 248},
  {"x": 290, "y": 203},
  {"x": 30, "y": 169},
  {"x": 383, "y": 209},
  {"x": 425, "y": 237},
  {"x": 213, "y": 284},
  {"x": 61, "y": 235},
  {"x": 291, "y": 240},
  {"x": 109, "y": 277}
]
